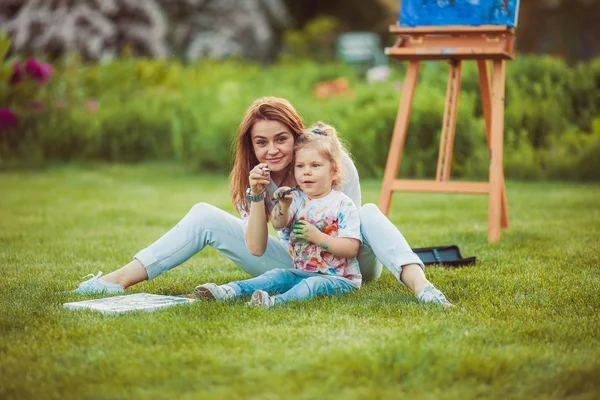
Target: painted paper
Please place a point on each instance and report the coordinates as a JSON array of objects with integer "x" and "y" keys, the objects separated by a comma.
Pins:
[
  {"x": 458, "y": 12},
  {"x": 130, "y": 302}
]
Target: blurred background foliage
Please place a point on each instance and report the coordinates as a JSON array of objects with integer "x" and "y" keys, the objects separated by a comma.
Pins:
[
  {"x": 562, "y": 28},
  {"x": 130, "y": 109}
]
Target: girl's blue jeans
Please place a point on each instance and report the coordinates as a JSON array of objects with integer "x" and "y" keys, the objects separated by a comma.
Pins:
[{"x": 293, "y": 285}]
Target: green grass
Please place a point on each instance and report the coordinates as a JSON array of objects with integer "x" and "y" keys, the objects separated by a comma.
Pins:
[{"x": 526, "y": 324}]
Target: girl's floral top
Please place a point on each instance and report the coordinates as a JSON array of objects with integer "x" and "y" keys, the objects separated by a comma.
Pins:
[{"x": 336, "y": 216}]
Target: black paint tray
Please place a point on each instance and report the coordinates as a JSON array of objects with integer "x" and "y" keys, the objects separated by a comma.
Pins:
[{"x": 446, "y": 255}]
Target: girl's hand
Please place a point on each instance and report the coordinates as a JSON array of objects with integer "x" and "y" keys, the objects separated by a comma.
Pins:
[
  {"x": 307, "y": 231},
  {"x": 259, "y": 179},
  {"x": 285, "y": 200}
]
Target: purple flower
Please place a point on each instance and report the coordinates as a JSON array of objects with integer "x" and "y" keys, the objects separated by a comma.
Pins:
[
  {"x": 8, "y": 119},
  {"x": 17, "y": 75},
  {"x": 38, "y": 70}
]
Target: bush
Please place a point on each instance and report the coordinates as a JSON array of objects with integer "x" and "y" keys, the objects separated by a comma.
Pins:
[{"x": 136, "y": 109}]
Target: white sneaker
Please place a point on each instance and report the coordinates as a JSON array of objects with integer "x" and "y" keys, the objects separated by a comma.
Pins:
[
  {"x": 211, "y": 291},
  {"x": 261, "y": 299},
  {"x": 95, "y": 285},
  {"x": 432, "y": 295}
]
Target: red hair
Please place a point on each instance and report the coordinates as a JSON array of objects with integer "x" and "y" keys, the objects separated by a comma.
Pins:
[{"x": 267, "y": 109}]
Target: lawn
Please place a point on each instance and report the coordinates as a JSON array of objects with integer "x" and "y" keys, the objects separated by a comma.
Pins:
[{"x": 526, "y": 322}]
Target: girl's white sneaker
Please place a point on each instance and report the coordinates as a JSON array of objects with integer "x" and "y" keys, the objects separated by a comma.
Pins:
[
  {"x": 261, "y": 299},
  {"x": 212, "y": 291}
]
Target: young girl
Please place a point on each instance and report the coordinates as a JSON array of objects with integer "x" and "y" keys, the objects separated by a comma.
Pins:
[{"x": 322, "y": 227}]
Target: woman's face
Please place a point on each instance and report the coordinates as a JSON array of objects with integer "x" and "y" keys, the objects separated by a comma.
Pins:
[{"x": 273, "y": 144}]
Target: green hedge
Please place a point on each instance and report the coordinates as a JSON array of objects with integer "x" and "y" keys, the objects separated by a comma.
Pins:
[{"x": 136, "y": 109}]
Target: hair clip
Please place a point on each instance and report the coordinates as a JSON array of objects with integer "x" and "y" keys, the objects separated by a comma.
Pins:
[{"x": 319, "y": 131}]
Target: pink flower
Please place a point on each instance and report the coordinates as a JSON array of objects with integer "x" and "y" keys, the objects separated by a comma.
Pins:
[
  {"x": 59, "y": 104},
  {"x": 8, "y": 119},
  {"x": 37, "y": 105},
  {"x": 17, "y": 75},
  {"x": 92, "y": 105},
  {"x": 46, "y": 71},
  {"x": 38, "y": 70}
]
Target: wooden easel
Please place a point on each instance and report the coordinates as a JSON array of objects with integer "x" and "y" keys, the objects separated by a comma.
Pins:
[{"x": 454, "y": 44}]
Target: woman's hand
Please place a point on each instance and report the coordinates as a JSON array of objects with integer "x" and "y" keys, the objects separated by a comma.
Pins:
[
  {"x": 307, "y": 231},
  {"x": 285, "y": 200},
  {"x": 259, "y": 179}
]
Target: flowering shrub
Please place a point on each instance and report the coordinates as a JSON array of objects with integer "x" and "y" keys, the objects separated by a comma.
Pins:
[
  {"x": 8, "y": 119},
  {"x": 22, "y": 86},
  {"x": 33, "y": 69},
  {"x": 131, "y": 109}
]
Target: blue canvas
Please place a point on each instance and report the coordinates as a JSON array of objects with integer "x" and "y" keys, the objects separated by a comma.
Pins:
[{"x": 458, "y": 12}]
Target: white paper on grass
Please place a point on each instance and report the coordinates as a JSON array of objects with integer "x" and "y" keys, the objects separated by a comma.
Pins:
[{"x": 130, "y": 302}]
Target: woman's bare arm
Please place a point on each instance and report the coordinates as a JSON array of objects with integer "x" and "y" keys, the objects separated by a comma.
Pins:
[{"x": 257, "y": 233}]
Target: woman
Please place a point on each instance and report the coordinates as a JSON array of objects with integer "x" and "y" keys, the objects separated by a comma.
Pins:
[{"x": 264, "y": 162}]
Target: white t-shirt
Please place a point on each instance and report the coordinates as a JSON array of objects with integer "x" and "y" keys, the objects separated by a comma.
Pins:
[{"x": 351, "y": 188}]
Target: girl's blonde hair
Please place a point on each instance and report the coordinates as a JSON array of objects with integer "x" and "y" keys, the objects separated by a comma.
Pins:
[{"x": 325, "y": 140}]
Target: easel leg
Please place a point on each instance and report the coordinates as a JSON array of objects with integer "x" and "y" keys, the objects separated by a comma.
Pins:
[
  {"x": 504, "y": 220},
  {"x": 399, "y": 136},
  {"x": 486, "y": 102},
  {"x": 449, "y": 124},
  {"x": 496, "y": 151},
  {"x": 486, "y": 97}
]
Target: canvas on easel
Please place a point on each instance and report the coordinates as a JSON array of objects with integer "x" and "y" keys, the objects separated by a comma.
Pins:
[{"x": 455, "y": 31}]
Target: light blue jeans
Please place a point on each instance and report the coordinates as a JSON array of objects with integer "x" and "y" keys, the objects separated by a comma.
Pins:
[
  {"x": 293, "y": 285},
  {"x": 206, "y": 225}
]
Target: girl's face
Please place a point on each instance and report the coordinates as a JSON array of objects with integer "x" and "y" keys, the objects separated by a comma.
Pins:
[
  {"x": 273, "y": 144},
  {"x": 313, "y": 173}
]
